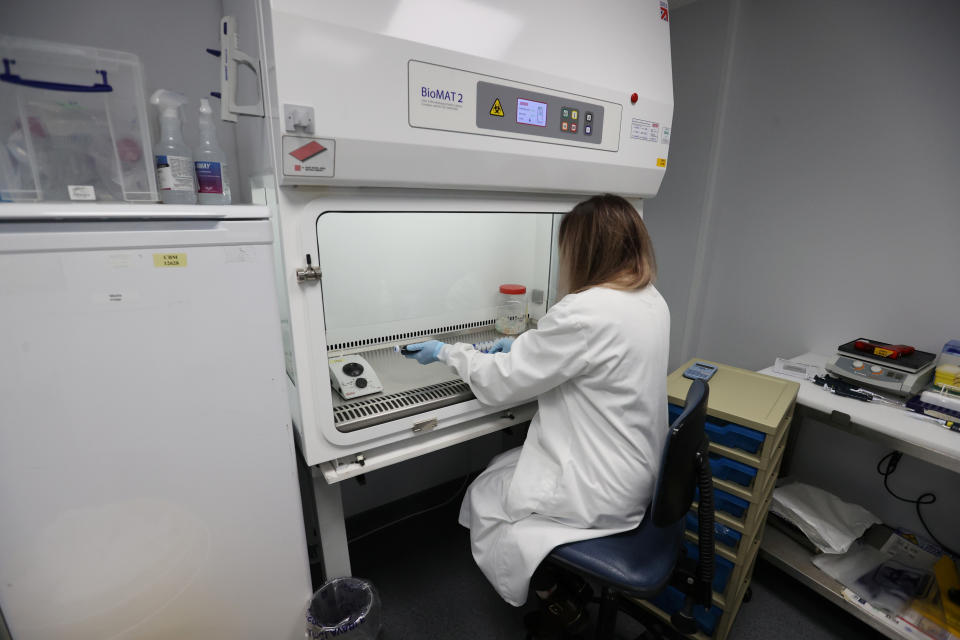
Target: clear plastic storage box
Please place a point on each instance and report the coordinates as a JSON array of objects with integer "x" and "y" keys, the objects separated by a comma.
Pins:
[{"x": 73, "y": 124}]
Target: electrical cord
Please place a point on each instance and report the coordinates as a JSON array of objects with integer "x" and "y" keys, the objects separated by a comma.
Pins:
[
  {"x": 891, "y": 460},
  {"x": 463, "y": 486}
]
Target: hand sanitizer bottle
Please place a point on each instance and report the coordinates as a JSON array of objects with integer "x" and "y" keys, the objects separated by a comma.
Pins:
[
  {"x": 174, "y": 161},
  {"x": 210, "y": 161}
]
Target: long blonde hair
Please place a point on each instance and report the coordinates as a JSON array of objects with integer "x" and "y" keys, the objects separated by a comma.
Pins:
[{"x": 603, "y": 241}]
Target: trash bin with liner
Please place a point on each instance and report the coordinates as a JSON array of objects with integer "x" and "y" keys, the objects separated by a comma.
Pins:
[{"x": 344, "y": 608}]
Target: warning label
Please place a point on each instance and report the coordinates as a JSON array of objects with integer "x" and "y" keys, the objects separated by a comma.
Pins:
[
  {"x": 645, "y": 130},
  {"x": 308, "y": 157},
  {"x": 497, "y": 108}
]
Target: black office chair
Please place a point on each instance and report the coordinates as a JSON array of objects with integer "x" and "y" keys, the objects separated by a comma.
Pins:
[{"x": 642, "y": 562}]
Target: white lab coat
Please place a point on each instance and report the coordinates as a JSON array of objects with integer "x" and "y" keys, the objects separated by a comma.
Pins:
[{"x": 597, "y": 364}]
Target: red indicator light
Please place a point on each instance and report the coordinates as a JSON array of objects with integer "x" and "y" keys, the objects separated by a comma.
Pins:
[{"x": 634, "y": 98}]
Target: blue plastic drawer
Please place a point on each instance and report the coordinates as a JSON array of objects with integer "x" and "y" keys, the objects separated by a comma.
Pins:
[
  {"x": 727, "y": 503},
  {"x": 721, "y": 533},
  {"x": 726, "y": 433},
  {"x": 722, "y": 568},
  {"x": 670, "y": 600},
  {"x": 727, "y": 469},
  {"x": 673, "y": 412},
  {"x": 733, "y": 435}
]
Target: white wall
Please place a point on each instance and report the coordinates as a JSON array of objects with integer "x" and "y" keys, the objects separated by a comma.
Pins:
[
  {"x": 170, "y": 38},
  {"x": 699, "y": 42},
  {"x": 836, "y": 208}
]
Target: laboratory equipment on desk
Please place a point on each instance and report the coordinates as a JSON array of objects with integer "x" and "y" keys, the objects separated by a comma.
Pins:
[
  {"x": 700, "y": 371},
  {"x": 941, "y": 401},
  {"x": 904, "y": 375},
  {"x": 352, "y": 377},
  {"x": 174, "y": 161},
  {"x": 210, "y": 161},
  {"x": 512, "y": 309},
  {"x": 73, "y": 124},
  {"x": 947, "y": 376},
  {"x": 845, "y": 389},
  {"x": 797, "y": 369}
]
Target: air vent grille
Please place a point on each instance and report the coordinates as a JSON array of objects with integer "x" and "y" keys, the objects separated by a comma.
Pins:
[
  {"x": 362, "y": 414},
  {"x": 398, "y": 337}
]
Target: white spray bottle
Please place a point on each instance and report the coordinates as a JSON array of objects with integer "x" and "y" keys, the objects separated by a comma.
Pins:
[
  {"x": 172, "y": 155},
  {"x": 210, "y": 161}
]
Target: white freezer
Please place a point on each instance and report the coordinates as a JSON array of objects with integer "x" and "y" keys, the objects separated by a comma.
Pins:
[{"x": 148, "y": 486}]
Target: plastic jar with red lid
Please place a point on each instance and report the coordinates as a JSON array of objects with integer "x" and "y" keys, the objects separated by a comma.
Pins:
[{"x": 511, "y": 310}]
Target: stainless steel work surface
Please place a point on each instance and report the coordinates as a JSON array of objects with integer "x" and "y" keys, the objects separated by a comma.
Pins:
[{"x": 408, "y": 386}]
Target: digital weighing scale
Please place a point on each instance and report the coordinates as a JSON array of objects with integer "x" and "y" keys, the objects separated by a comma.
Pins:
[{"x": 904, "y": 376}]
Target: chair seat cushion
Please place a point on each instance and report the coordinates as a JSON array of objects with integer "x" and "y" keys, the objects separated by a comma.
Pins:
[{"x": 637, "y": 562}]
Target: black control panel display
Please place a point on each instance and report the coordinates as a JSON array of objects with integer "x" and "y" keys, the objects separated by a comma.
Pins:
[{"x": 503, "y": 108}]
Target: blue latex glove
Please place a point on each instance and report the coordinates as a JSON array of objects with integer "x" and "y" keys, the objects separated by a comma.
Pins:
[
  {"x": 425, "y": 352},
  {"x": 501, "y": 345}
]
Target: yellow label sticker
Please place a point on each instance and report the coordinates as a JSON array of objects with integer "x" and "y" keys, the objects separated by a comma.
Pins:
[
  {"x": 496, "y": 109},
  {"x": 882, "y": 352},
  {"x": 169, "y": 259},
  {"x": 661, "y": 162}
]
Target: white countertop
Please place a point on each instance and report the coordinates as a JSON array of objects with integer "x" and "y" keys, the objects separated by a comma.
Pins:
[{"x": 926, "y": 440}]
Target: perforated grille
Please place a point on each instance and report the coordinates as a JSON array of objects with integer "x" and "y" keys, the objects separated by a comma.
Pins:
[
  {"x": 367, "y": 413},
  {"x": 366, "y": 342}
]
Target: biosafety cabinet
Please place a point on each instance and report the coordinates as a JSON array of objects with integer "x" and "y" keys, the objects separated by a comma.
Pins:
[{"x": 416, "y": 155}]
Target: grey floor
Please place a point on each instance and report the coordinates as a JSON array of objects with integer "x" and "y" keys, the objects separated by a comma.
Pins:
[{"x": 431, "y": 590}]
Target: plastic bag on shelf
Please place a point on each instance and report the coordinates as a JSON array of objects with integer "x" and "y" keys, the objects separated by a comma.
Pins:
[{"x": 829, "y": 522}]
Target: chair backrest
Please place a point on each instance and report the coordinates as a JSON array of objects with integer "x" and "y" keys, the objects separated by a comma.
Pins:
[{"x": 673, "y": 494}]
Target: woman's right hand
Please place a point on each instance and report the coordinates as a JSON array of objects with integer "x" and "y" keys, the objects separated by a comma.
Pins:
[
  {"x": 501, "y": 345},
  {"x": 425, "y": 352}
]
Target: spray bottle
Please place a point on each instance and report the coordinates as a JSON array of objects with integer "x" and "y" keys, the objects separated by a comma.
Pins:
[
  {"x": 210, "y": 161},
  {"x": 174, "y": 162}
]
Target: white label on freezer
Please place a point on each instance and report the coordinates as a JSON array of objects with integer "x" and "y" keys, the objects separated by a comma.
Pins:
[
  {"x": 119, "y": 261},
  {"x": 175, "y": 173},
  {"x": 665, "y": 139},
  {"x": 81, "y": 192},
  {"x": 115, "y": 298},
  {"x": 645, "y": 130},
  {"x": 240, "y": 254},
  {"x": 169, "y": 260}
]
